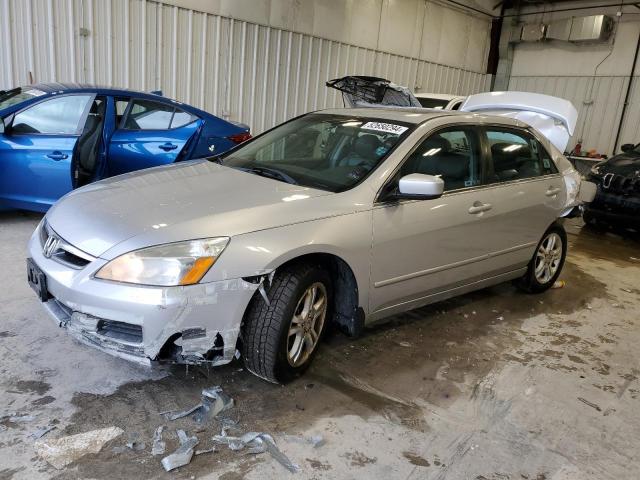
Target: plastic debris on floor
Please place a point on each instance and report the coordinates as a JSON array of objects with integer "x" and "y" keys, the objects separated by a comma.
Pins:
[
  {"x": 256, "y": 443},
  {"x": 183, "y": 455},
  {"x": 159, "y": 446},
  {"x": 214, "y": 401},
  {"x": 41, "y": 432}
]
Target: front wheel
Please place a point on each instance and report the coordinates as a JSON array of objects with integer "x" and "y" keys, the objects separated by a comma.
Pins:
[
  {"x": 281, "y": 339},
  {"x": 547, "y": 262}
]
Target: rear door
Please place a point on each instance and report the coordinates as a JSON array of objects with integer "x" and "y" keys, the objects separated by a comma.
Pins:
[
  {"x": 150, "y": 133},
  {"x": 526, "y": 191},
  {"x": 35, "y": 152}
]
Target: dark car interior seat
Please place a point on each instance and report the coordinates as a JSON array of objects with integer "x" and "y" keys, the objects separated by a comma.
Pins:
[
  {"x": 362, "y": 152},
  {"x": 87, "y": 148},
  {"x": 437, "y": 157},
  {"x": 514, "y": 164}
]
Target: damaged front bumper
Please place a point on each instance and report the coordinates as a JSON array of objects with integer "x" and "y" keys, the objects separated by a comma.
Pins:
[{"x": 190, "y": 324}]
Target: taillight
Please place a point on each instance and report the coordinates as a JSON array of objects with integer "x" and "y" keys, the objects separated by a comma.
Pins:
[{"x": 240, "y": 137}]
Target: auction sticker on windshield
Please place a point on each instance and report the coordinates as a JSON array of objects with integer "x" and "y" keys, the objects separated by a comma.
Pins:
[
  {"x": 385, "y": 127},
  {"x": 35, "y": 92}
]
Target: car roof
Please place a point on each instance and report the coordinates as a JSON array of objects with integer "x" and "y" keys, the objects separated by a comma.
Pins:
[
  {"x": 398, "y": 114},
  {"x": 87, "y": 87},
  {"x": 420, "y": 115}
]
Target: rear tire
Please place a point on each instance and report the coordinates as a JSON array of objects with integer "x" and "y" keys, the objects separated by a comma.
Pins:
[
  {"x": 547, "y": 262},
  {"x": 280, "y": 340}
]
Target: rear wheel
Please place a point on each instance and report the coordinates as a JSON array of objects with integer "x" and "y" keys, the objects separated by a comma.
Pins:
[
  {"x": 281, "y": 339},
  {"x": 547, "y": 262}
]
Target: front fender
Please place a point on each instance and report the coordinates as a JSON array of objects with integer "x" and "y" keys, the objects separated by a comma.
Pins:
[{"x": 347, "y": 237}]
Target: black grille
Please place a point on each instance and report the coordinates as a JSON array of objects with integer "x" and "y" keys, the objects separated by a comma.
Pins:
[
  {"x": 70, "y": 259},
  {"x": 621, "y": 184},
  {"x": 120, "y": 331}
]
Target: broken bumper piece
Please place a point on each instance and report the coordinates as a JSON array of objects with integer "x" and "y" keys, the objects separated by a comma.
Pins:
[{"x": 191, "y": 324}]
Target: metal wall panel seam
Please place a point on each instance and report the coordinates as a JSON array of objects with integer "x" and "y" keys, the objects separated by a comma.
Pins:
[
  {"x": 203, "y": 57},
  {"x": 174, "y": 53},
  {"x": 277, "y": 79}
]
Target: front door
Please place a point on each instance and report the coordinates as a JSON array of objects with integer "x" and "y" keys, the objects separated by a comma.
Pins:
[
  {"x": 36, "y": 150},
  {"x": 151, "y": 133},
  {"x": 421, "y": 247}
]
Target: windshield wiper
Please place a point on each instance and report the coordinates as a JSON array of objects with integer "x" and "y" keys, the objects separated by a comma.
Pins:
[{"x": 270, "y": 173}]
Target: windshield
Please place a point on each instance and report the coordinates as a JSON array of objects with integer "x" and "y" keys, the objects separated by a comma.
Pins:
[
  {"x": 433, "y": 103},
  {"x": 328, "y": 152},
  {"x": 17, "y": 95}
]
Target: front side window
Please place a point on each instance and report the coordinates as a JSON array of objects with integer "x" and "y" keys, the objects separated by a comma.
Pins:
[
  {"x": 515, "y": 155},
  {"x": 58, "y": 116},
  {"x": 452, "y": 154},
  {"x": 329, "y": 152}
]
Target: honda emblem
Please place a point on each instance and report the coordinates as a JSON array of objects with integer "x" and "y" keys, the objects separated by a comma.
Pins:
[{"x": 50, "y": 246}]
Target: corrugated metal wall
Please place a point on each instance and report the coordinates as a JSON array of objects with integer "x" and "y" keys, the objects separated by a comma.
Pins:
[
  {"x": 599, "y": 100},
  {"x": 252, "y": 73}
]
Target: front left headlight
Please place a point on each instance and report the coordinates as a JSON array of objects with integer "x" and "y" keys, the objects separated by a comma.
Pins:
[{"x": 172, "y": 264}]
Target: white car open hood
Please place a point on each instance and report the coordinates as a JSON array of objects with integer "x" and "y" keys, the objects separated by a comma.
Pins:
[{"x": 553, "y": 117}]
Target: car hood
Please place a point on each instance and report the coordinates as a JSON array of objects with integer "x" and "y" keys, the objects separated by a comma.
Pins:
[{"x": 188, "y": 200}]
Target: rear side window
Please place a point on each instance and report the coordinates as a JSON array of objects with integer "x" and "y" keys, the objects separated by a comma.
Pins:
[
  {"x": 548, "y": 165},
  {"x": 515, "y": 155},
  {"x": 150, "y": 115},
  {"x": 58, "y": 116},
  {"x": 452, "y": 154}
]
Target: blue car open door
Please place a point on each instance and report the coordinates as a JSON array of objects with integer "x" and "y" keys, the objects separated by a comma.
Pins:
[
  {"x": 36, "y": 149},
  {"x": 150, "y": 133}
]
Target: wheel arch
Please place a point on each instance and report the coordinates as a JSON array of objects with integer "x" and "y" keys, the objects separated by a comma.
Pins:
[{"x": 348, "y": 315}]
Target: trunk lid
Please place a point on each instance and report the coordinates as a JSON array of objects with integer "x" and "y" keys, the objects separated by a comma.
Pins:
[
  {"x": 554, "y": 117},
  {"x": 363, "y": 91}
]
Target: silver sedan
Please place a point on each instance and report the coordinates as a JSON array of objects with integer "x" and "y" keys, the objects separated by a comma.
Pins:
[{"x": 341, "y": 216}]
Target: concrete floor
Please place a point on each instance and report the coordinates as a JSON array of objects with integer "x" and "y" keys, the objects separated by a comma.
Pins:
[{"x": 493, "y": 385}]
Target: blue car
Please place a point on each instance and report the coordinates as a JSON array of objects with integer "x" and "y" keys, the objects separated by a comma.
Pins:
[{"x": 56, "y": 137}]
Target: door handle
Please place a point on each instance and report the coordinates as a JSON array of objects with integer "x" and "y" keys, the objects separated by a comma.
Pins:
[
  {"x": 479, "y": 207},
  {"x": 168, "y": 146},
  {"x": 552, "y": 192},
  {"x": 58, "y": 156}
]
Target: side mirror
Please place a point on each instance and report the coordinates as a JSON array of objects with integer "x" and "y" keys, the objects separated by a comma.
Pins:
[
  {"x": 1, "y": 125},
  {"x": 417, "y": 186},
  {"x": 627, "y": 147}
]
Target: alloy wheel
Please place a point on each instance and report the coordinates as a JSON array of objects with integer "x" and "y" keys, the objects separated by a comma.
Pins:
[
  {"x": 306, "y": 324},
  {"x": 548, "y": 258}
]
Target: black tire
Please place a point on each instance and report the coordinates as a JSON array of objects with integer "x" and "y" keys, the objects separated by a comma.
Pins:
[
  {"x": 530, "y": 283},
  {"x": 265, "y": 331}
]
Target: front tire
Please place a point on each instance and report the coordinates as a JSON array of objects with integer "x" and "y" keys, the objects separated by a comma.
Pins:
[
  {"x": 547, "y": 262},
  {"x": 281, "y": 339}
]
